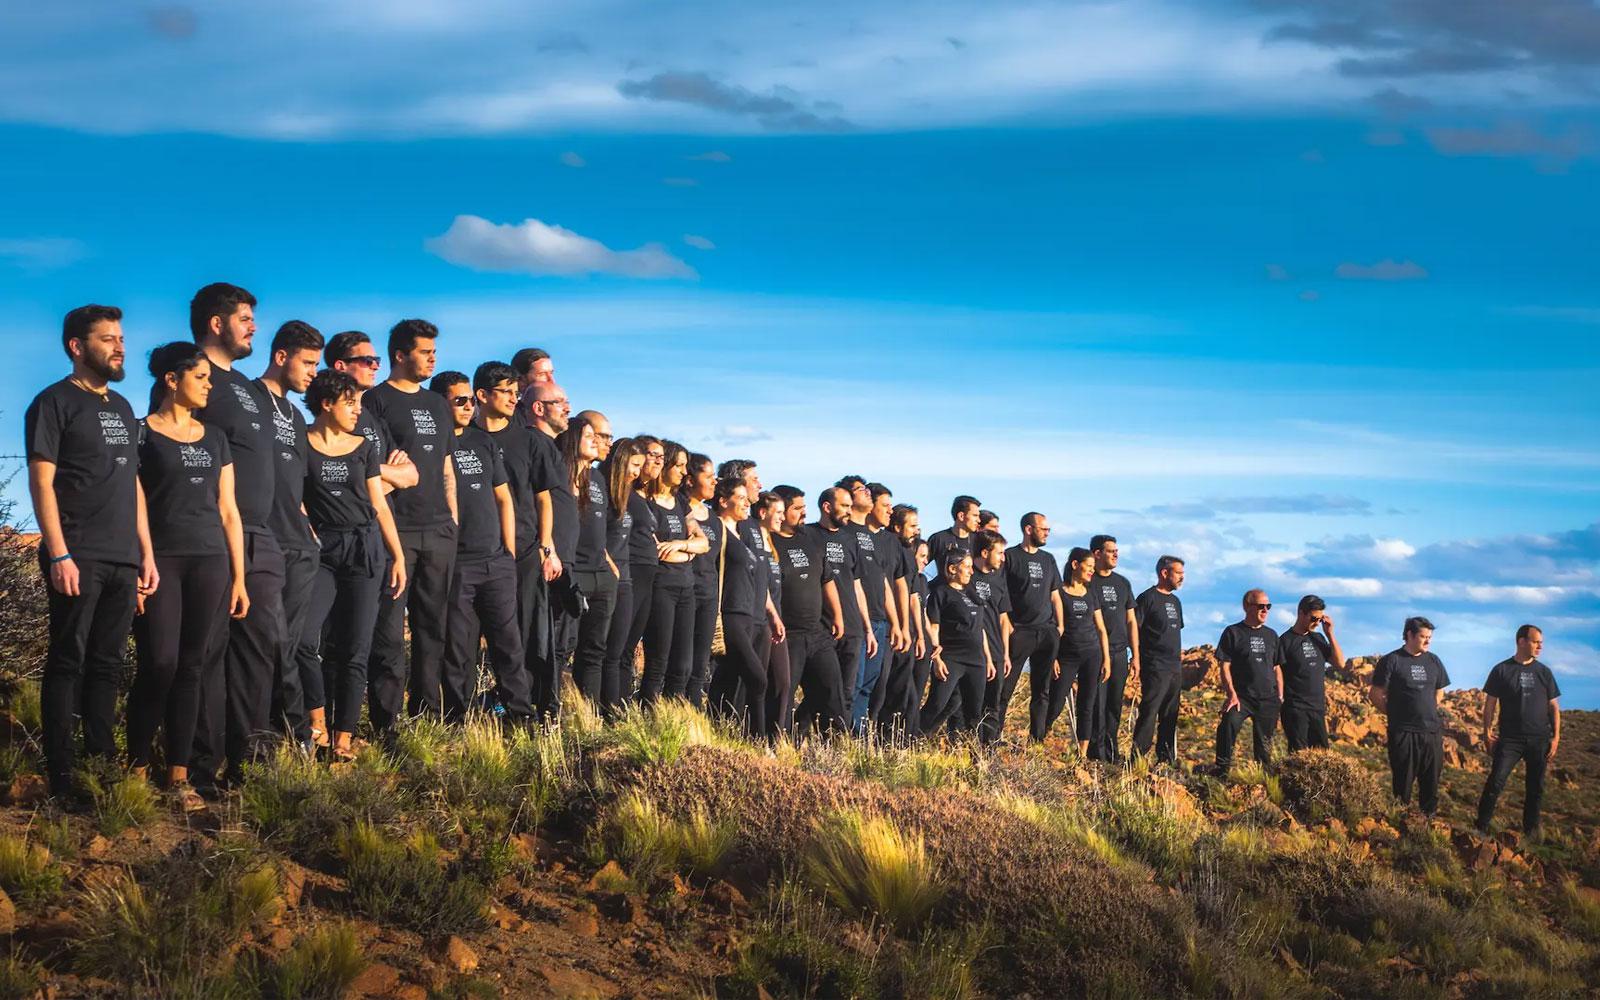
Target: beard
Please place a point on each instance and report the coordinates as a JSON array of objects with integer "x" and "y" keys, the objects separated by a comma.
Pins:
[
  {"x": 238, "y": 350},
  {"x": 104, "y": 367}
]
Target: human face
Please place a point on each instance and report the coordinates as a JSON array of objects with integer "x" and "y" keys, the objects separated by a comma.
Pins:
[
  {"x": 653, "y": 457},
  {"x": 737, "y": 505},
  {"x": 680, "y": 470},
  {"x": 968, "y": 519},
  {"x": 1106, "y": 558},
  {"x": 192, "y": 388},
  {"x": 881, "y": 509},
  {"x": 772, "y": 515},
  {"x": 501, "y": 401},
  {"x": 1040, "y": 530},
  {"x": 361, "y": 364},
  {"x": 995, "y": 557},
  {"x": 1305, "y": 621},
  {"x": 343, "y": 413},
  {"x": 101, "y": 350},
  {"x": 840, "y": 515},
  {"x": 962, "y": 572},
  {"x": 462, "y": 404},
  {"x": 1256, "y": 608},
  {"x": 922, "y": 556},
  {"x": 602, "y": 436},
  {"x": 635, "y": 466},
  {"x": 1529, "y": 648},
  {"x": 910, "y": 527},
  {"x": 988, "y": 523},
  {"x": 553, "y": 410},
  {"x": 417, "y": 364},
  {"x": 795, "y": 514},
  {"x": 543, "y": 371},
  {"x": 588, "y": 444},
  {"x": 1419, "y": 641},
  {"x": 299, "y": 367},
  {"x": 752, "y": 482},
  {"x": 1173, "y": 575},
  {"x": 860, "y": 497},
  {"x": 238, "y": 332},
  {"x": 705, "y": 482},
  {"x": 1085, "y": 570}
]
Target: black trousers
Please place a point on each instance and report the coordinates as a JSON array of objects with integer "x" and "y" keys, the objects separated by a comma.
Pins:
[
  {"x": 962, "y": 689},
  {"x": 483, "y": 605},
  {"x": 616, "y": 683},
  {"x": 705, "y": 623},
  {"x": 536, "y": 622},
  {"x": 176, "y": 635},
  {"x": 1048, "y": 695},
  {"x": 298, "y": 687},
  {"x": 1417, "y": 757},
  {"x": 594, "y": 633},
  {"x": 739, "y": 682},
  {"x": 83, "y": 667},
  {"x": 1304, "y": 727},
  {"x": 851, "y": 652},
  {"x": 430, "y": 559},
  {"x": 668, "y": 638},
  {"x": 1534, "y": 751},
  {"x": 236, "y": 703},
  {"x": 921, "y": 671},
  {"x": 338, "y": 629},
  {"x": 893, "y": 695},
  {"x": 814, "y": 667},
  {"x": 780, "y": 686},
  {"x": 1161, "y": 687},
  {"x": 644, "y": 586},
  {"x": 1034, "y": 645},
  {"x": 1110, "y": 723},
  {"x": 1263, "y": 718}
]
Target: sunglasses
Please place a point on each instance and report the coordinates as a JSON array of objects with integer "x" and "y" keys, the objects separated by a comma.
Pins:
[
  {"x": 460, "y": 400},
  {"x": 366, "y": 360},
  {"x": 1263, "y": 607}
]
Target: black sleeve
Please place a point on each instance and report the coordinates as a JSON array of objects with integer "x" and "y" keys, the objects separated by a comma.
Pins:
[
  {"x": 1444, "y": 675},
  {"x": 1380, "y": 673},
  {"x": 1495, "y": 685},
  {"x": 1225, "y": 646},
  {"x": 1550, "y": 683},
  {"x": 42, "y": 429}
]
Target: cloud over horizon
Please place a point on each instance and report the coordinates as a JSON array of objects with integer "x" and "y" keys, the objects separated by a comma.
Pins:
[{"x": 535, "y": 247}]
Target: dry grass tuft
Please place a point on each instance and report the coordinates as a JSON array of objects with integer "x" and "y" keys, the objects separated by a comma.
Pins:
[{"x": 865, "y": 863}]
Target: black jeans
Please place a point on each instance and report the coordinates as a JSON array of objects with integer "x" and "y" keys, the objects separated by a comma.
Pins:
[
  {"x": 613, "y": 689},
  {"x": 644, "y": 587},
  {"x": 176, "y": 635},
  {"x": 668, "y": 638},
  {"x": 780, "y": 687},
  {"x": 483, "y": 605},
  {"x": 1417, "y": 757},
  {"x": 814, "y": 667},
  {"x": 1034, "y": 645},
  {"x": 1160, "y": 690},
  {"x": 299, "y": 680},
  {"x": 83, "y": 668},
  {"x": 851, "y": 652},
  {"x": 706, "y": 604},
  {"x": 1263, "y": 718},
  {"x": 348, "y": 606},
  {"x": 1304, "y": 727},
  {"x": 594, "y": 633},
  {"x": 1048, "y": 695},
  {"x": 1108, "y": 729},
  {"x": 742, "y": 667},
  {"x": 891, "y": 703},
  {"x": 430, "y": 561},
  {"x": 962, "y": 688},
  {"x": 1533, "y": 751}
]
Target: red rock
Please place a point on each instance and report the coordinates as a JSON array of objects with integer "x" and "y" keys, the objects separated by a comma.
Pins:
[
  {"x": 459, "y": 956},
  {"x": 376, "y": 979},
  {"x": 503, "y": 918},
  {"x": 581, "y": 924},
  {"x": 725, "y": 895},
  {"x": 27, "y": 789},
  {"x": 8, "y": 914}
]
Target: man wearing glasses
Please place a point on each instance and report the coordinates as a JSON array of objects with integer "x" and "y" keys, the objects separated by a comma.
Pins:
[
  {"x": 353, "y": 353},
  {"x": 1252, "y": 680},
  {"x": 1304, "y": 657}
]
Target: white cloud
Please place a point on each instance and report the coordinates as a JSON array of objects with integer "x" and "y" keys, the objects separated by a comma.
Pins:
[
  {"x": 698, "y": 242},
  {"x": 1392, "y": 549},
  {"x": 1384, "y": 270},
  {"x": 41, "y": 253},
  {"x": 713, "y": 156},
  {"x": 571, "y": 159},
  {"x": 734, "y": 435},
  {"x": 535, "y": 247}
]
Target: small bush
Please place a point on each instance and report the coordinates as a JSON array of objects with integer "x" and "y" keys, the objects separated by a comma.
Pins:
[
  {"x": 649, "y": 842},
  {"x": 798, "y": 950},
  {"x": 123, "y": 802},
  {"x": 291, "y": 801},
  {"x": 27, "y": 706},
  {"x": 1151, "y": 829},
  {"x": 866, "y": 863},
  {"x": 1581, "y": 909},
  {"x": 27, "y": 872},
  {"x": 19, "y": 977},
  {"x": 1325, "y": 784},
  {"x": 320, "y": 966},
  {"x": 408, "y": 883},
  {"x": 703, "y": 843},
  {"x": 15, "y": 761}
]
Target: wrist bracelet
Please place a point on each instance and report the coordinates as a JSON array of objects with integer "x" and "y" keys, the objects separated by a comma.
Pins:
[{"x": 63, "y": 557}]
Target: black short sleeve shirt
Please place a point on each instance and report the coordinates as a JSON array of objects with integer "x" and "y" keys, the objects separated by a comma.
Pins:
[{"x": 93, "y": 444}]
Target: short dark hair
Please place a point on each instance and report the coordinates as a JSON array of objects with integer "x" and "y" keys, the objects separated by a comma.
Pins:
[
  {"x": 725, "y": 487},
  {"x": 329, "y": 386},
  {"x": 1029, "y": 519},
  {"x": 959, "y": 505},
  {"x": 771, "y": 497},
  {"x": 442, "y": 381},
  {"x": 297, "y": 335},
  {"x": 492, "y": 373},
  {"x": 735, "y": 467},
  {"x": 879, "y": 490},
  {"x": 403, "y": 336},
  {"x": 176, "y": 358},
  {"x": 1416, "y": 623},
  {"x": 850, "y": 482},
  {"x": 1525, "y": 631},
  {"x": 953, "y": 558},
  {"x": 1311, "y": 602},
  {"x": 339, "y": 346},
  {"x": 789, "y": 493},
  {"x": 522, "y": 361},
  {"x": 985, "y": 516},
  {"x": 897, "y": 517},
  {"x": 830, "y": 495},
  {"x": 983, "y": 541},
  {"x": 1098, "y": 542},
  {"x": 1167, "y": 562},
  {"x": 216, "y": 299},
  {"x": 76, "y": 324}
]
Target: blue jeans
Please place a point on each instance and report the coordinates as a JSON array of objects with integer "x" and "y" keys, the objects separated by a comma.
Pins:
[{"x": 867, "y": 679}]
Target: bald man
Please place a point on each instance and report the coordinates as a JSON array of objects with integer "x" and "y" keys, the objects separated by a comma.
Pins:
[
  {"x": 1251, "y": 679},
  {"x": 548, "y": 412}
]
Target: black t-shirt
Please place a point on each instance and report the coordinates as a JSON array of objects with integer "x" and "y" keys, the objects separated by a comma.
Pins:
[
  {"x": 1081, "y": 637},
  {"x": 563, "y": 501},
  {"x": 242, "y": 410},
  {"x": 181, "y": 491},
  {"x": 875, "y": 568},
  {"x": 672, "y": 524},
  {"x": 591, "y": 551},
  {"x": 941, "y": 542},
  {"x": 421, "y": 425},
  {"x": 479, "y": 469},
  {"x": 844, "y": 566},
  {"x": 1413, "y": 683},
  {"x": 704, "y": 566},
  {"x": 804, "y": 569},
  {"x": 368, "y": 427},
  {"x": 989, "y": 590},
  {"x": 1304, "y": 659},
  {"x": 1251, "y": 653},
  {"x": 619, "y": 528},
  {"x": 1116, "y": 597},
  {"x": 527, "y": 479},
  {"x": 1525, "y": 691},
  {"x": 336, "y": 487},
  {"x": 1031, "y": 577},
  {"x": 287, "y": 522},
  {"x": 95, "y": 451},
  {"x": 961, "y": 623},
  {"x": 642, "y": 532},
  {"x": 772, "y": 574},
  {"x": 744, "y": 578},
  {"x": 1160, "y": 619}
]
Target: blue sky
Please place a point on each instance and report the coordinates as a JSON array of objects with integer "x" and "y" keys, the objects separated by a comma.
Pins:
[{"x": 1301, "y": 291}]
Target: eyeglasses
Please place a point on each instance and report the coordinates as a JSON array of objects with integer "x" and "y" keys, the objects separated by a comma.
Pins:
[
  {"x": 365, "y": 360},
  {"x": 1263, "y": 607},
  {"x": 656, "y": 456},
  {"x": 460, "y": 400}
]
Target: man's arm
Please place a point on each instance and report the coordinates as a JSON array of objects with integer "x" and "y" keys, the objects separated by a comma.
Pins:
[
  {"x": 42, "y": 487},
  {"x": 1005, "y": 640},
  {"x": 1061, "y": 613},
  {"x": 547, "y": 538},
  {"x": 1379, "y": 697},
  {"x": 1555, "y": 721},
  {"x": 450, "y": 488},
  {"x": 1277, "y": 674},
  {"x": 399, "y": 472},
  {"x": 891, "y": 606},
  {"x": 1491, "y": 706},
  {"x": 508, "y": 517},
  {"x": 1133, "y": 642},
  {"x": 830, "y": 595},
  {"x": 861, "y": 603},
  {"x": 902, "y": 597},
  {"x": 1227, "y": 686}
]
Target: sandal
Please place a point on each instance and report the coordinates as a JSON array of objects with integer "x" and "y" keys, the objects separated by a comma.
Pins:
[
  {"x": 185, "y": 798},
  {"x": 319, "y": 737}
]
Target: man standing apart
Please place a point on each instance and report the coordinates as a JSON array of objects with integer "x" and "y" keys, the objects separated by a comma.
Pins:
[
  {"x": 1251, "y": 680},
  {"x": 1304, "y": 658},
  {"x": 94, "y": 548},
  {"x": 1033, "y": 582},
  {"x": 1160, "y": 618},
  {"x": 1405, "y": 685},
  {"x": 1122, "y": 632},
  {"x": 419, "y": 423},
  {"x": 1524, "y": 693}
]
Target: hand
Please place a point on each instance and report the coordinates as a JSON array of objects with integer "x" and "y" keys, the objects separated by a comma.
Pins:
[
  {"x": 64, "y": 577},
  {"x": 552, "y": 566},
  {"x": 1555, "y": 744},
  {"x": 1233, "y": 703},
  {"x": 988, "y": 674},
  {"x": 779, "y": 633},
  {"x": 1055, "y": 671},
  {"x": 837, "y": 629},
  {"x": 668, "y": 547},
  {"x": 398, "y": 457},
  {"x": 238, "y": 600},
  {"x": 138, "y": 603},
  {"x": 1105, "y": 670},
  {"x": 922, "y": 647},
  {"x": 149, "y": 576},
  {"x": 939, "y": 669},
  {"x": 397, "y": 578},
  {"x": 1327, "y": 624},
  {"x": 872, "y": 645},
  {"x": 1007, "y": 666}
]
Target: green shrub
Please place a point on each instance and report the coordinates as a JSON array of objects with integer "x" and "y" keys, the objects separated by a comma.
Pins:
[
  {"x": 121, "y": 802},
  {"x": 408, "y": 883},
  {"x": 1326, "y": 784},
  {"x": 27, "y": 872},
  {"x": 19, "y": 977},
  {"x": 1150, "y": 829},
  {"x": 1581, "y": 910},
  {"x": 320, "y": 966},
  {"x": 798, "y": 950},
  {"x": 293, "y": 802},
  {"x": 866, "y": 863}
]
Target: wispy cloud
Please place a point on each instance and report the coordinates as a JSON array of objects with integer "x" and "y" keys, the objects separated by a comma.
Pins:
[
  {"x": 571, "y": 159},
  {"x": 535, "y": 247},
  {"x": 780, "y": 108},
  {"x": 41, "y": 253},
  {"x": 1304, "y": 503},
  {"x": 698, "y": 242},
  {"x": 712, "y": 156},
  {"x": 1384, "y": 270},
  {"x": 1515, "y": 139}
]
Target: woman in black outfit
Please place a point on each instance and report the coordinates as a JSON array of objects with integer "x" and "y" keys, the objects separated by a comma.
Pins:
[
  {"x": 743, "y": 602},
  {"x": 1085, "y": 656},
  {"x": 592, "y": 569},
  {"x": 345, "y": 502},
  {"x": 643, "y": 557},
  {"x": 669, "y": 633},
  {"x": 962, "y": 665},
  {"x": 765, "y": 520},
  {"x": 697, "y": 491},
  {"x": 186, "y": 470},
  {"x": 621, "y": 471}
]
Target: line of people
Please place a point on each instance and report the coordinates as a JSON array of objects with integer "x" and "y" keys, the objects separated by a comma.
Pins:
[{"x": 281, "y": 575}]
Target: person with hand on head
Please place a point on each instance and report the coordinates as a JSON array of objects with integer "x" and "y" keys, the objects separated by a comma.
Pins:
[
  {"x": 962, "y": 662},
  {"x": 1523, "y": 694},
  {"x": 1304, "y": 658},
  {"x": 1405, "y": 686},
  {"x": 1252, "y": 681},
  {"x": 94, "y": 539},
  {"x": 1160, "y": 629},
  {"x": 1115, "y": 596},
  {"x": 1033, "y": 584}
]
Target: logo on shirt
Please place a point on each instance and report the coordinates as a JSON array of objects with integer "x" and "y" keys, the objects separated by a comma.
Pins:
[
  {"x": 1526, "y": 680},
  {"x": 864, "y": 542},
  {"x": 1080, "y": 607},
  {"x": 371, "y": 434},
  {"x": 335, "y": 472},
  {"x": 1172, "y": 613},
  {"x": 194, "y": 458},
  {"x": 674, "y": 524},
  {"x": 982, "y": 587},
  {"x": 1035, "y": 572},
  {"x": 1310, "y": 651},
  {"x": 283, "y": 430},
  {"x": 469, "y": 464},
  {"x": 836, "y": 552},
  {"x": 1108, "y": 595},
  {"x": 1258, "y": 646},
  {"x": 247, "y": 402},
  {"x": 114, "y": 431},
  {"x": 798, "y": 560},
  {"x": 1419, "y": 673},
  {"x": 423, "y": 422}
]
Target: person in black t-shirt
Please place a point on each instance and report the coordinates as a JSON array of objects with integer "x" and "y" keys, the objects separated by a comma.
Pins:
[
  {"x": 345, "y": 502},
  {"x": 555, "y": 614},
  {"x": 1084, "y": 660},
  {"x": 1033, "y": 583},
  {"x": 698, "y": 489},
  {"x": 1160, "y": 617},
  {"x": 1524, "y": 694},
  {"x": 892, "y": 712},
  {"x": 1115, "y": 595},
  {"x": 813, "y": 616},
  {"x": 593, "y": 570},
  {"x": 739, "y": 684},
  {"x": 766, "y": 520},
  {"x": 1405, "y": 685},
  {"x": 353, "y": 353},
  {"x": 964, "y": 511},
  {"x": 838, "y": 545},
  {"x": 483, "y": 582},
  {"x": 1304, "y": 658},
  {"x": 620, "y": 472},
  {"x": 1252, "y": 681},
  {"x": 186, "y": 469},
  {"x": 297, "y": 690},
  {"x": 94, "y": 549},
  {"x": 669, "y": 633},
  {"x": 962, "y": 663},
  {"x": 988, "y": 588},
  {"x": 419, "y": 423}
]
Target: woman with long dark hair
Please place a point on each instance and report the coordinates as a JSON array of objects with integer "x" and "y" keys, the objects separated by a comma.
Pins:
[
  {"x": 186, "y": 469},
  {"x": 1085, "y": 657},
  {"x": 591, "y": 568},
  {"x": 643, "y": 556},
  {"x": 669, "y": 633},
  {"x": 621, "y": 471},
  {"x": 696, "y": 493},
  {"x": 743, "y": 604},
  {"x": 766, "y": 517},
  {"x": 962, "y": 662}
]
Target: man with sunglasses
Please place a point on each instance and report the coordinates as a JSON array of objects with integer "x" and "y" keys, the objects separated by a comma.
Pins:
[
  {"x": 354, "y": 353},
  {"x": 1252, "y": 681},
  {"x": 1304, "y": 657}
]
